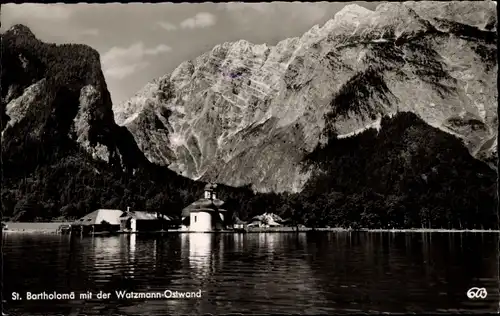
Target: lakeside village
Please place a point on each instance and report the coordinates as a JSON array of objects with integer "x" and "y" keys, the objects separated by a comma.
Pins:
[
  {"x": 202, "y": 216},
  {"x": 206, "y": 215}
]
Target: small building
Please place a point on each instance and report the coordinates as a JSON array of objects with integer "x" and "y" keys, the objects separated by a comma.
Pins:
[
  {"x": 102, "y": 220},
  {"x": 266, "y": 220},
  {"x": 206, "y": 214},
  {"x": 139, "y": 221},
  {"x": 64, "y": 229},
  {"x": 238, "y": 223}
]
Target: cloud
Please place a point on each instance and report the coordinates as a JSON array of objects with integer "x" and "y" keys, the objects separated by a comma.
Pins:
[
  {"x": 90, "y": 32},
  {"x": 271, "y": 13},
  {"x": 120, "y": 62},
  {"x": 200, "y": 20},
  {"x": 27, "y": 11},
  {"x": 158, "y": 50},
  {"x": 262, "y": 7},
  {"x": 167, "y": 26},
  {"x": 124, "y": 71},
  {"x": 311, "y": 11}
]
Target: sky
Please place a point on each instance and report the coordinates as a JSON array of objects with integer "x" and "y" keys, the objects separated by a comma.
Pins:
[{"x": 139, "y": 42}]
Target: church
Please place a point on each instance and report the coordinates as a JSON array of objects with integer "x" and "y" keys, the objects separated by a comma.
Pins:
[{"x": 206, "y": 214}]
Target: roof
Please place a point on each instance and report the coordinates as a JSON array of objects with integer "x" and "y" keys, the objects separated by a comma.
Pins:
[
  {"x": 210, "y": 186},
  {"x": 205, "y": 210},
  {"x": 269, "y": 218},
  {"x": 141, "y": 215},
  {"x": 238, "y": 221},
  {"x": 97, "y": 217},
  {"x": 203, "y": 205}
]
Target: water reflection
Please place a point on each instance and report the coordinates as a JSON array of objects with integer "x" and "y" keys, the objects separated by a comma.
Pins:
[
  {"x": 132, "y": 238},
  {"x": 185, "y": 247},
  {"x": 220, "y": 250},
  {"x": 105, "y": 256},
  {"x": 238, "y": 242},
  {"x": 200, "y": 252},
  {"x": 132, "y": 244},
  {"x": 302, "y": 240},
  {"x": 395, "y": 269},
  {"x": 105, "y": 248},
  {"x": 154, "y": 254},
  {"x": 259, "y": 273},
  {"x": 268, "y": 243}
]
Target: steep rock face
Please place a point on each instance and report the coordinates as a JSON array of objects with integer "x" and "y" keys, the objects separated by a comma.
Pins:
[
  {"x": 248, "y": 114},
  {"x": 55, "y": 94}
]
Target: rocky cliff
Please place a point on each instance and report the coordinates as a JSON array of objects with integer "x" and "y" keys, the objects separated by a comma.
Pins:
[
  {"x": 53, "y": 96},
  {"x": 249, "y": 114},
  {"x": 62, "y": 152}
]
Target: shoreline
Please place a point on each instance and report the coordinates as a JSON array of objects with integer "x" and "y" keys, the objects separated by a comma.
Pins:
[
  {"x": 27, "y": 228},
  {"x": 52, "y": 228},
  {"x": 33, "y": 227},
  {"x": 31, "y": 231},
  {"x": 429, "y": 230}
]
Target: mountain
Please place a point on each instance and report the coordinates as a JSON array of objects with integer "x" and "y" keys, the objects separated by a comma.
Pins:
[
  {"x": 406, "y": 173},
  {"x": 62, "y": 152},
  {"x": 53, "y": 95},
  {"x": 246, "y": 114},
  {"x": 361, "y": 143}
]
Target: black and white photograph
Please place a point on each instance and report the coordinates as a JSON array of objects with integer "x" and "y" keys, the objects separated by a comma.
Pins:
[{"x": 251, "y": 158}]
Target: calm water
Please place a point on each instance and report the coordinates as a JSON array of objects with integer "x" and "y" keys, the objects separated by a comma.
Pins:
[{"x": 255, "y": 273}]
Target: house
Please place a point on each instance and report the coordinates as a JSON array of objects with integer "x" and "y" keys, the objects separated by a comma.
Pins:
[
  {"x": 205, "y": 214},
  {"x": 102, "y": 220},
  {"x": 139, "y": 221},
  {"x": 238, "y": 223},
  {"x": 266, "y": 220}
]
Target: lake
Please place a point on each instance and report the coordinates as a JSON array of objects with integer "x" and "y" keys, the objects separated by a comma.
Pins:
[{"x": 309, "y": 273}]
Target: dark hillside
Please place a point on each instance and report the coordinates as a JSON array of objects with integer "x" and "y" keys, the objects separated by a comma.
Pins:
[{"x": 408, "y": 174}]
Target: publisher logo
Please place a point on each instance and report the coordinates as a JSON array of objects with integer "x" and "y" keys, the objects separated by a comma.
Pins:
[{"x": 477, "y": 293}]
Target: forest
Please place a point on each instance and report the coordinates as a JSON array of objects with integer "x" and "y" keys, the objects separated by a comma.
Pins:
[{"x": 407, "y": 175}]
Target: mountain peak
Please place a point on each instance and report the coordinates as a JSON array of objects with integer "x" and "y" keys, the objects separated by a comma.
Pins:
[
  {"x": 353, "y": 10},
  {"x": 349, "y": 17},
  {"x": 478, "y": 14},
  {"x": 245, "y": 114},
  {"x": 20, "y": 29}
]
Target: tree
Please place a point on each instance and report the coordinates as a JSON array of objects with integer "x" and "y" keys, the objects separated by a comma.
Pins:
[
  {"x": 106, "y": 226},
  {"x": 155, "y": 203},
  {"x": 69, "y": 211},
  {"x": 26, "y": 209}
]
